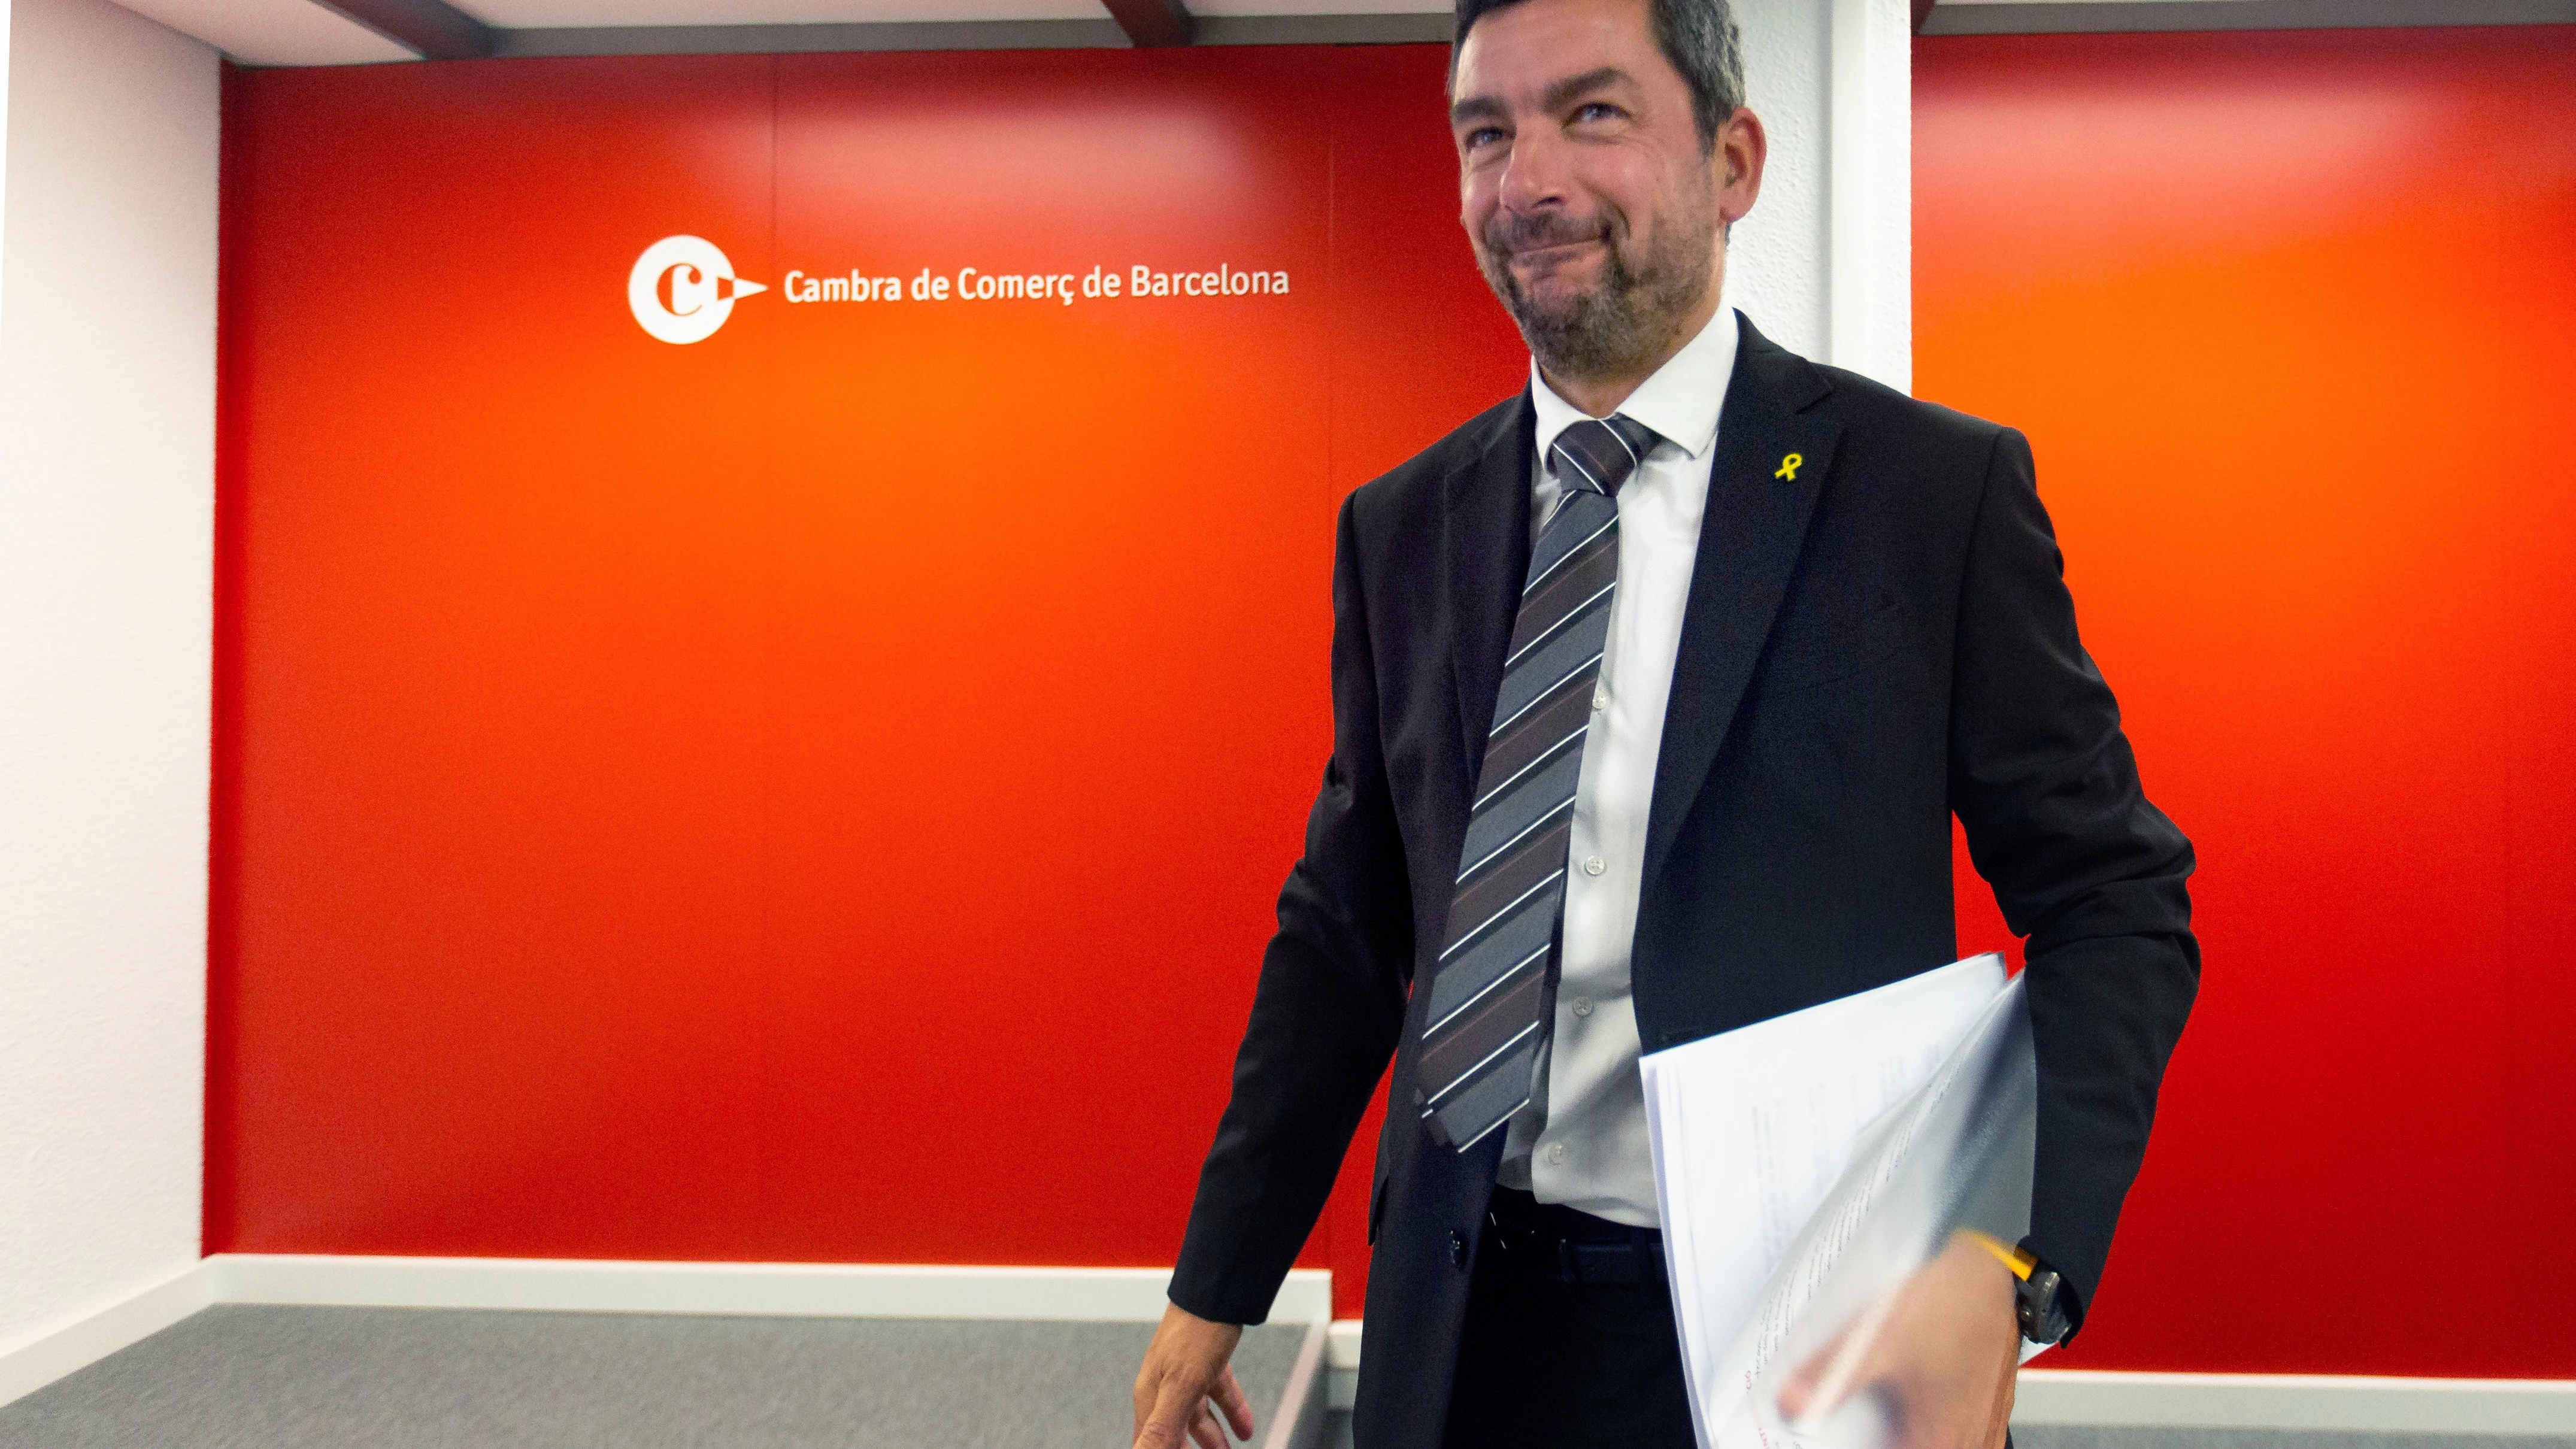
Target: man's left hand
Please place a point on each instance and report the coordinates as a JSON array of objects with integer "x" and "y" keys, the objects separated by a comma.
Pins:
[{"x": 1939, "y": 1358}]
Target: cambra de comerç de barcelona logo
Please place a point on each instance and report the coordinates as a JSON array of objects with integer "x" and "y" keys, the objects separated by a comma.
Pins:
[{"x": 683, "y": 287}]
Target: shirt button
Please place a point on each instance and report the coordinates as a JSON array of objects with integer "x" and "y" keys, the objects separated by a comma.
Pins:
[
  {"x": 1582, "y": 1006},
  {"x": 1457, "y": 1249},
  {"x": 1556, "y": 1152},
  {"x": 1600, "y": 699},
  {"x": 1594, "y": 865}
]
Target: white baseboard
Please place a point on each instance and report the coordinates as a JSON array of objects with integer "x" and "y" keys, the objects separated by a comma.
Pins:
[
  {"x": 1345, "y": 1346},
  {"x": 1298, "y": 1423},
  {"x": 1342, "y": 1355},
  {"x": 805, "y": 1290},
  {"x": 2350, "y": 1402},
  {"x": 32, "y": 1363},
  {"x": 2327, "y": 1402}
]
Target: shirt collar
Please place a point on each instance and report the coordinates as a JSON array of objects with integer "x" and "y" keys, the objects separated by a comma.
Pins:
[{"x": 1680, "y": 401}]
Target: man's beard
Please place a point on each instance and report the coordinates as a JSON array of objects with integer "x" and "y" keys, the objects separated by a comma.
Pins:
[{"x": 1617, "y": 326}]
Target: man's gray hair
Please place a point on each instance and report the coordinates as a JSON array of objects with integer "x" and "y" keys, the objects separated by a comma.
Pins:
[{"x": 1698, "y": 36}]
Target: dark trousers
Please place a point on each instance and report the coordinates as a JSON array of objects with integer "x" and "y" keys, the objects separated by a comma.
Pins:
[{"x": 1571, "y": 1358}]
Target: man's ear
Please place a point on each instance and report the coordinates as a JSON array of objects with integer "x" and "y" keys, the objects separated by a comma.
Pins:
[{"x": 1744, "y": 145}]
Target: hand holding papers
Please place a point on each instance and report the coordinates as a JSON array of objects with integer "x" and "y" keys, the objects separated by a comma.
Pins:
[
  {"x": 1928, "y": 1366},
  {"x": 1813, "y": 1172}
]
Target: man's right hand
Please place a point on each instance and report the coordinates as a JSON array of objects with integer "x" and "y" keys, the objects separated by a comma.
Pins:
[{"x": 1185, "y": 1368}]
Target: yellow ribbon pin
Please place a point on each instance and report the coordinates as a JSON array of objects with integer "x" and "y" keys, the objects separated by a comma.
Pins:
[{"x": 1789, "y": 466}]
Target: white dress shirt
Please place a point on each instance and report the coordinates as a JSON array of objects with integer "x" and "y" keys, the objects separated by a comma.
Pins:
[{"x": 1581, "y": 1141}]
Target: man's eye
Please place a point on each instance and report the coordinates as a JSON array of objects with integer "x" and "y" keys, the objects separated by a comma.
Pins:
[
  {"x": 1596, "y": 111},
  {"x": 1483, "y": 136}
]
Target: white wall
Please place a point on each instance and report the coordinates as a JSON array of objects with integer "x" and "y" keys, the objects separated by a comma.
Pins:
[
  {"x": 1824, "y": 265},
  {"x": 107, "y": 375},
  {"x": 4, "y": 129}
]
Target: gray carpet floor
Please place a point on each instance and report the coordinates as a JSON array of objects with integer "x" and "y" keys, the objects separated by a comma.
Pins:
[
  {"x": 2072, "y": 1436},
  {"x": 390, "y": 1378},
  {"x": 1337, "y": 1435}
]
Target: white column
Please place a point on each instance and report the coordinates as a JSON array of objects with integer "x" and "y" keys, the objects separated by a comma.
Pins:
[
  {"x": 1824, "y": 264},
  {"x": 1870, "y": 216},
  {"x": 107, "y": 380}
]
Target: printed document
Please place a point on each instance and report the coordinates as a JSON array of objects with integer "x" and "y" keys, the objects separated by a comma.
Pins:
[{"x": 1752, "y": 1129}]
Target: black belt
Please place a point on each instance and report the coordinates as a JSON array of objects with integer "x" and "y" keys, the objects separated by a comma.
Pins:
[{"x": 1528, "y": 1238}]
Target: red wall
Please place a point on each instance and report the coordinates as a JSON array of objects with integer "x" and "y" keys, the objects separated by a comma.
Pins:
[
  {"x": 2291, "y": 322},
  {"x": 817, "y": 794}
]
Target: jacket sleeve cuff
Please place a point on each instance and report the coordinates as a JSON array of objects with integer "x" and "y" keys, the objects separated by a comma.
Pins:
[{"x": 1203, "y": 1295}]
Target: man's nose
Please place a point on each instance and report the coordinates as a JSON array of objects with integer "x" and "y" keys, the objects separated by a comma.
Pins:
[{"x": 1539, "y": 174}]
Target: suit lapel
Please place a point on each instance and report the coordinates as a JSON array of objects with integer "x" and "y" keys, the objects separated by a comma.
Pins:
[
  {"x": 1749, "y": 540},
  {"x": 1484, "y": 551}
]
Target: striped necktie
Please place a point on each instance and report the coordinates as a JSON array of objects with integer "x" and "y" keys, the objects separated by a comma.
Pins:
[{"x": 1492, "y": 987}]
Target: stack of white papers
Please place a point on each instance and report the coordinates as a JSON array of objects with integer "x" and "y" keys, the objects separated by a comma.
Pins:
[{"x": 1753, "y": 1129}]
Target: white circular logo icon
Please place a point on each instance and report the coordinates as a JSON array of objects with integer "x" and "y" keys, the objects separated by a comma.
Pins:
[{"x": 682, "y": 289}]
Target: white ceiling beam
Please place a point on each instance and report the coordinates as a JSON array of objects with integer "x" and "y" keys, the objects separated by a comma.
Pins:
[
  {"x": 274, "y": 32},
  {"x": 436, "y": 29}
]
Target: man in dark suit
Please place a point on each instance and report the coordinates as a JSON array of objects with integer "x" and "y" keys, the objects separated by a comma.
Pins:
[{"x": 1655, "y": 689}]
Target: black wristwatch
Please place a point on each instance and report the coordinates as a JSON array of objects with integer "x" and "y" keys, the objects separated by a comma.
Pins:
[{"x": 2039, "y": 1301}]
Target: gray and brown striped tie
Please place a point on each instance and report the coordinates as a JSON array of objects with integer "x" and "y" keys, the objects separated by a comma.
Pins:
[{"x": 1491, "y": 989}]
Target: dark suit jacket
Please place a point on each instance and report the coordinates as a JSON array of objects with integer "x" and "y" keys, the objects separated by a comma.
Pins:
[{"x": 1868, "y": 648}]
